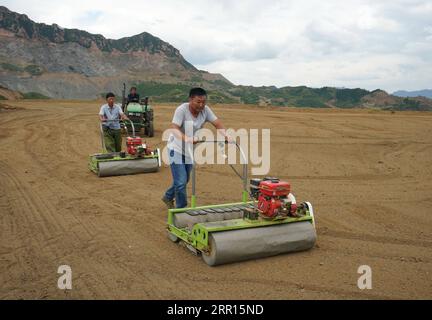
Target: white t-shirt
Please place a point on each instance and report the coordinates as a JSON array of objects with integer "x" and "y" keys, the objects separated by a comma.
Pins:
[
  {"x": 183, "y": 115},
  {"x": 112, "y": 115}
]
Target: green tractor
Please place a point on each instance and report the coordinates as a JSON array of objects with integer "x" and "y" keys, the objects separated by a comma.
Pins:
[{"x": 140, "y": 113}]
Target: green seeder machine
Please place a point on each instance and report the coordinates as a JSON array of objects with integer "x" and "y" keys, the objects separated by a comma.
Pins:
[
  {"x": 268, "y": 221},
  {"x": 137, "y": 159}
]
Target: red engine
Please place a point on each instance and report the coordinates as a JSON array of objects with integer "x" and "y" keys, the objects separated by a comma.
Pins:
[
  {"x": 136, "y": 147},
  {"x": 273, "y": 197}
]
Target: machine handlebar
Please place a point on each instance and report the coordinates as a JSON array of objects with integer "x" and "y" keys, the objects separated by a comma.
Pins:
[{"x": 243, "y": 177}]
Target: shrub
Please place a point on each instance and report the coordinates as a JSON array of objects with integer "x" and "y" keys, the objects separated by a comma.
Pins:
[
  {"x": 34, "y": 70},
  {"x": 34, "y": 95},
  {"x": 10, "y": 67}
]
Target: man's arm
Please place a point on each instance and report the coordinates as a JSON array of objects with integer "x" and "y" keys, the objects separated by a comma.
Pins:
[
  {"x": 221, "y": 129},
  {"x": 123, "y": 116},
  {"x": 176, "y": 130},
  {"x": 211, "y": 117},
  {"x": 218, "y": 125}
]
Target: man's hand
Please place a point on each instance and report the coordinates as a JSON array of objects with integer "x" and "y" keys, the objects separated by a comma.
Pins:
[
  {"x": 193, "y": 140},
  {"x": 229, "y": 139}
]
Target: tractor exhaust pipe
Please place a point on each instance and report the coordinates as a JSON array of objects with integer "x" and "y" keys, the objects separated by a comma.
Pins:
[{"x": 124, "y": 97}]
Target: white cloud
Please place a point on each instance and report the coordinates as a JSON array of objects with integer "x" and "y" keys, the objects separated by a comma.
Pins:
[{"x": 357, "y": 43}]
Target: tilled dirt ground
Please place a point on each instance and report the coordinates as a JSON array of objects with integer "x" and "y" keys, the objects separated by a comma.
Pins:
[{"x": 367, "y": 173}]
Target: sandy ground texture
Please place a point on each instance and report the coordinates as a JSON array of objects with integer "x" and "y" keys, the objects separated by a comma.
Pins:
[{"x": 367, "y": 173}]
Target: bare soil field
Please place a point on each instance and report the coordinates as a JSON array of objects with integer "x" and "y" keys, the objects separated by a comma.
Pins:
[{"x": 367, "y": 173}]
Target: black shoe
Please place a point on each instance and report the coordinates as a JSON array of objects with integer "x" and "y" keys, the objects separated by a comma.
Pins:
[{"x": 169, "y": 203}]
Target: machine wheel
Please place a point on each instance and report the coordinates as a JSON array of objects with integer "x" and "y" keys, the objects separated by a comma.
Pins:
[{"x": 173, "y": 237}]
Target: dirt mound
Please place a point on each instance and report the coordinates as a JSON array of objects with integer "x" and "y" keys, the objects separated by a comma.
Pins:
[
  {"x": 6, "y": 107},
  {"x": 367, "y": 173},
  {"x": 10, "y": 94}
]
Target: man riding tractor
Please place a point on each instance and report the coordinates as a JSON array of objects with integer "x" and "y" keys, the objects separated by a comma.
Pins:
[{"x": 138, "y": 111}]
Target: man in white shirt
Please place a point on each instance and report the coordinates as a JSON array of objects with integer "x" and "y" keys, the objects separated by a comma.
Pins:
[{"x": 193, "y": 114}]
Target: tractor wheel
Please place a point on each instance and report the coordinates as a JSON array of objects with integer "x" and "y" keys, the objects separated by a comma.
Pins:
[
  {"x": 149, "y": 115},
  {"x": 149, "y": 130}
]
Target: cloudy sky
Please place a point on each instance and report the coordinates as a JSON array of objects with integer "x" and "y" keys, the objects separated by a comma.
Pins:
[{"x": 352, "y": 43}]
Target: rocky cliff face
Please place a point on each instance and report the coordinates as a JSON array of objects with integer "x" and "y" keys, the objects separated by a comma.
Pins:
[
  {"x": 47, "y": 60},
  {"x": 71, "y": 63}
]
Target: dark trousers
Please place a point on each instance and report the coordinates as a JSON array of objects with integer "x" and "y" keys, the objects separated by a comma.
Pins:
[{"x": 113, "y": 139}]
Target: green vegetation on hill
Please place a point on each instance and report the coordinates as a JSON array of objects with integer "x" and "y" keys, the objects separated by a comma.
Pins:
[
  {"x": 349, "y": 98},
  {"x": 163, "y": 92},
  {"x": 287, "y": 96},
  {"x": 10, "y": 67},
  {"x": 221, "y": 84},
  {"x": 409, "y": 104},
  {"x": 34, "y": 95},
  {"x": 2, "y": 98},
  {"x": 300, "y": 96},
  {"x": 215, "y": 96},
  {"x": 31, "y": 69},
  {"x": 34, "y": 70},
  {"x": 167, "y": 92}
]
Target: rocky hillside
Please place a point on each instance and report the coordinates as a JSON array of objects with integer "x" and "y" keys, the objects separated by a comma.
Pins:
[
  {"x": 328, "y": 97},
  {"x": 39, "y": 61},
  {"x": 7, "y": 94},
  {"x": 71, "y": 63}
]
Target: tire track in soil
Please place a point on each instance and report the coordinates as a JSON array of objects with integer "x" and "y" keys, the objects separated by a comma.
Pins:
[
  {"x": 31, "y": 140},
  {"x": 53, "y": 147}
]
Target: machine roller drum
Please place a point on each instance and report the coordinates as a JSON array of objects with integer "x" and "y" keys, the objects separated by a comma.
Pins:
[{"x": 252, "y": 243}]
